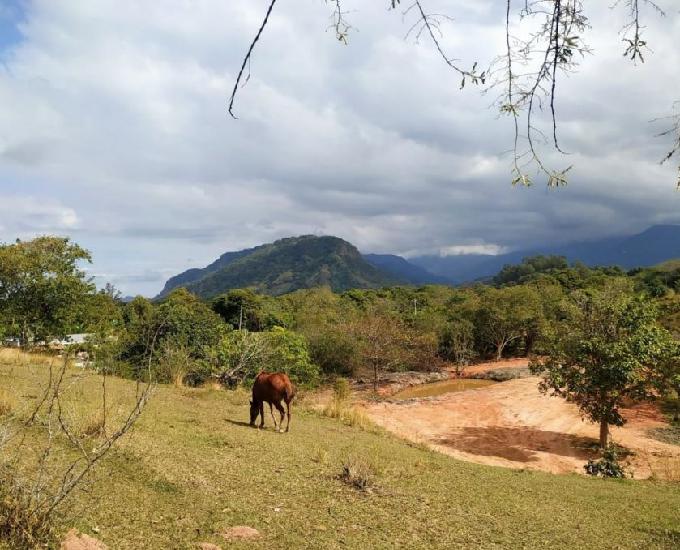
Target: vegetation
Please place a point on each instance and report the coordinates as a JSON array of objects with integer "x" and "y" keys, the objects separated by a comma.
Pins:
[
  {"x": 604, "y": 352},
  {"x": 597, "y": 337},
  {"x": 191, "y": 469},
  {"x": 41, "y": 288},
  {"x": 287, "y": 265}
]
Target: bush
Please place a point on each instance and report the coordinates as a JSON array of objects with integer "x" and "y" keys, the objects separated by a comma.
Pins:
[
  {"x": 289, "y": 353},
  {"x": 334, "y": 352},
  {"x": 242, "y": 355},
  {"x": 358, "y": 473},
  {"x": 23, "y": 523},
  {"x": 607, "y": 466}
]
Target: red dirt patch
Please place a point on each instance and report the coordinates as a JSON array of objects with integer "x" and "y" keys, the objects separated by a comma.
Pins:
[
  {"x": 241, "y": 532},
  {"x": 76, "y": 540},
  {"x": 512, "y": 424}
]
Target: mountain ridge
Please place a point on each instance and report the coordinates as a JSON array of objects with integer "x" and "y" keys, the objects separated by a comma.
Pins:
[
  {"x": 307, "y": 261},
  {"x": 283, "y": 266}
]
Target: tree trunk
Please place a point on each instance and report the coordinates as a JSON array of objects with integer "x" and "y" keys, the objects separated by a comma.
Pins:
[
  {"x": 604, "y": 434},
  {"x": 499, "y": 351},
  {"x": 375, "y": 378}
]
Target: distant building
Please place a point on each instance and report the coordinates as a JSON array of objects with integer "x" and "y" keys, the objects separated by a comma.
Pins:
[{"x": 70, "y": 340}]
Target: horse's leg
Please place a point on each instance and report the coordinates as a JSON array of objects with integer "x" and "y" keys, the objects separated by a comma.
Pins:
[
  {"x": 271, "y": 410},
  {"x": 262, "y": 414},
  {"x": 288, "y": 409},
  {"x": 283, "y": 414}
]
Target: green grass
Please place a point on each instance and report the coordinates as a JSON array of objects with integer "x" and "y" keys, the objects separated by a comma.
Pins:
[{"x": 192, "y": 468}]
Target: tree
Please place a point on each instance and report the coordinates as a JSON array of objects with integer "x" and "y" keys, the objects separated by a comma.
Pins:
[
  {"x": 457, "y": 342},
  {"x": 241, "y": 308},
  {"x": 604, "y": 352},
  {"x": 506, "y": 315},
  {"x": 243, "y": 354},
  {"x": 544, "y": 42},
  {"x": 42, "y": 287},
  {"x": 668, "y": 370},
  {"x": 381, "y": 342},
  {"x": 529, "y": 269}
]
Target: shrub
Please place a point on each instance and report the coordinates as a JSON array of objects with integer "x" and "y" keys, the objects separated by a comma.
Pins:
[
  {"x": 607, "y": 466},
  {"x": 242, "y": 355},
  {"x": 334, "y": 351},
  {"x": 289, "y": 353},
  {"x": 341, "y": 389},
  {"x": 23, "y": 522},
  {"x": 358, "y": 473}
]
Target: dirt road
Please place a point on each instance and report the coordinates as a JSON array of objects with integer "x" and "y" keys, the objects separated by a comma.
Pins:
[{"x": 512, "y": 424}]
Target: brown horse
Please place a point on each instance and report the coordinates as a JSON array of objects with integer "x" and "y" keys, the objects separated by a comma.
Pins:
[{"x": 271, "y": 388}]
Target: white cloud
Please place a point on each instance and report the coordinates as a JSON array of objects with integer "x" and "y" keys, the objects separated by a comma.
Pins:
[{"x": 113, "y": 128}]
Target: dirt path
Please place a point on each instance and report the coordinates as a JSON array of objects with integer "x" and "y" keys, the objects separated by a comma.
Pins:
[{"x": 512, "y": 424}]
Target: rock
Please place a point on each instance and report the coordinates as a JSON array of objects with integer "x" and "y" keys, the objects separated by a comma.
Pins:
[
  {"x": 75, "y": 540},
  {"x": 208, "y": 546},
  {"x": 241, "y": 532}
]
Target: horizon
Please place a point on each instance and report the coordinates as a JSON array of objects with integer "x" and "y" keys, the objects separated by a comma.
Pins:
[{"x": 117, "y": 135}]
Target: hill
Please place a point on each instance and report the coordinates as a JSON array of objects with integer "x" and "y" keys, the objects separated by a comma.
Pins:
[
  {"x": 653, "y": 246},
  {"x": 404, "y": 270},
  {"x": 283, "y": 266},
  {"x": 193, "y": 468}
]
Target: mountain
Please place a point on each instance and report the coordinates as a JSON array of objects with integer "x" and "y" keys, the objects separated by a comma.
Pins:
[
  {"x": 653, "y": 246},
  {"x": 283, "y": 266},
  {"x": 404, "y": 270}
]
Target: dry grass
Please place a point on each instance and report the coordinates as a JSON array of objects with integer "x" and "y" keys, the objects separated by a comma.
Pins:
[
  {"x": 18, "y": 358},
  {"x": 7, "y": 402},
  {"x": 341, "y": 408},
  {"x": 348, "y": 414},
  {"x": 192, "y": 468},
  {"x": 358, "y": 472}
]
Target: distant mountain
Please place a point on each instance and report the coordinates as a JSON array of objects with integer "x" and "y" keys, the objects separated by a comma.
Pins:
[
  {"x": 653, "y": 246},
  {"x": 404, "y": 270},
  {"x": 283, "y": 266}
]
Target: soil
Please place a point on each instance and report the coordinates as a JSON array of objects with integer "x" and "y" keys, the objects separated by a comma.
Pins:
[{"x": 512, "y": 424}]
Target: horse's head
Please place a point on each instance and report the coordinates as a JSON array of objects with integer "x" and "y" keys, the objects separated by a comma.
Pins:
[{"x": 254, "y": 410}]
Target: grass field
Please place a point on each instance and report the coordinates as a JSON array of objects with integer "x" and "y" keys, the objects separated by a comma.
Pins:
[{"x": 193, "y": 468}]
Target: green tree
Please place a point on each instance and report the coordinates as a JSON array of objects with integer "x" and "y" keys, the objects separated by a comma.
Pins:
[
  {"x": 529, "y": 269},
  {"x": 604, "y": 352},
  {"x": 289, "y": 353},
  {"x": 457, "y": 342},
  {"x": 241, "y": 308},
  {"x": 506, "y": 316},
  {"x": 668, "y": 370},
  {"x": 42, "y": 287},
  {"x": 381, "y": 340}
]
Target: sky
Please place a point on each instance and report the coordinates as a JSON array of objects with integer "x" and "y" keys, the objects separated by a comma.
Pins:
[{"x": 114, "y": 131}]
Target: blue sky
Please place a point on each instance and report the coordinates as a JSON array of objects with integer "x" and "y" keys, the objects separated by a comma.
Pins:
[
  {"x": 113, "y": 130},
  {"x": 11, "y": 13}
]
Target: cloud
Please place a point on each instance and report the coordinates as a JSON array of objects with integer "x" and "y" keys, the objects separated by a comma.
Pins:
[{"x": 114, "y": 130}]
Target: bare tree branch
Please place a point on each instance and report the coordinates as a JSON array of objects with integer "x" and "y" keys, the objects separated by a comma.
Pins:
[{"x": 246, "y": 59}]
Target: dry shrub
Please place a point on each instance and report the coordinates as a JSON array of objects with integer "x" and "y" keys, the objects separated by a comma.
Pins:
[
  {"x": 667, "y": 468},
  {"x": 320, "y": 455},
  {"x": 359, "y": 473},
  {"x": 45, "y": 456},
  {"x": 7, "y": 403},
  {"x": 19, "y": 358},
  {"x": 341, "y": 408},
  {"x": 23, "y": 523},
  {"x": 352, "y": 416}
]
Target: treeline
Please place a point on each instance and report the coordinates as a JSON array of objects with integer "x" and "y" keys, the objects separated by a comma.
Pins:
[{"x": 310, "y": 334}]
